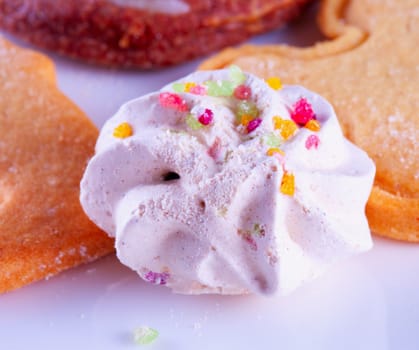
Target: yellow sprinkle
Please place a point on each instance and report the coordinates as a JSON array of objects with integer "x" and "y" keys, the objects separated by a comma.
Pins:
[
  {"x": 288, "y": 184},
  {"x": 189, "y": 86},
  {"x": 123, "y": 130},
  {"x": 286, "y": 127},
  {"x": 277, "y": 122},
  {"x": 274, "y": 83},
  {"x": 246, "y": 119},
  {"x": 271, "y": 151},
  {"x": 313, "y": 125}
]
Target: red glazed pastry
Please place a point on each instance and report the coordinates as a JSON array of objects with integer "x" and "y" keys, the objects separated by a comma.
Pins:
[{"x": 142, "y": 33}]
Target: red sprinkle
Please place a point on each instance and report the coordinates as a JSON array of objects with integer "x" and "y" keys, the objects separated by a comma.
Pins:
[
  {"x": 198, "y": 90},
  {"x": 253, "y": 125},
  {"x": 249, "y": 239},
  {"x": 242, "y": 92},
  {"x": 215, "y": 148},
  {"x": 206, "y": 117},
  {"x": 173, "y": 101},
  {"x": 312, "y": 141},
  {"x": 303, "y": 112}
]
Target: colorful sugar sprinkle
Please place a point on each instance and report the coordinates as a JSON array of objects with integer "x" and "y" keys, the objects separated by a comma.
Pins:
[
  {"x": 198, "y": 90},
  {"x": 173, "y": 101},
  {"x": 189, "y": 85},
  {"x": 145, "y": 335},
  {"x": 123, "y": 131},
  {"x": 312, "y": 141},
  {"x": 247, "y": 237},
  {"x": 288, "y": 184},
  {"x": 286, "y": 127},
  {"x": 157, "y": 277},
  {"x": 246, "y": 119},
  {"x": 247, "y": 108},
  {"x": 178, "y": 87},
  {"x": 221, "y": 88},
  {"x": 215, "y": 149},
  {"x": 253, "y": 125},
  {"x": 259, "y": 230},
  {"x": 302, "y": 112},
  {"x": 313, "y": 125},
  {"x": 242, "y": 92},
  {"x": 192, "y": 122},
  {"x": 272, "y": 140},
  {"x": 274, "y": 82},
  {"x": 250, "y": 240},
  {"x": 274, "y": 150},
  {"x": 206, "y": 117},
  {"x": 237, "y": 76},
  {"x": 183, "y": 87}
]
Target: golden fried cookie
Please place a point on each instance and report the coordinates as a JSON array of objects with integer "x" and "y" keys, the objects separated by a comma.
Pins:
[
  {"x": 369, "y": 71},
  {"x": 142, "y": 33},
  {"x": 45, "y": 143}
]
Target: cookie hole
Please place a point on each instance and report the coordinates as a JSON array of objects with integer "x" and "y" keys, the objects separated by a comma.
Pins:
[{"x": 170, "y": 176}]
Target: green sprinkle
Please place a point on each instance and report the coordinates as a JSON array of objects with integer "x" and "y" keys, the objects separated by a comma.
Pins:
[
  {"x": 178, "y": 87},
  {"x": 273, "y": 140},
  {"x": 259, "y": 230},
  {"x": 222, "y": 88},
  {"x": 145, "y": 335},
  {"x": 237, "y": 76},
  {"x": 227, "y": 88},
  {"x": 247, "y": 108},
  {"x": 192, "y": 122}
]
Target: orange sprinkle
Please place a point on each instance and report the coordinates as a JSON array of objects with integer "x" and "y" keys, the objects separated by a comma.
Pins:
[
  {"x": 246, "y": 119},
  {"x": 313, "y": 125},
  {"x": 271, "y": 151},
  {"x": 277, "y": 122},
  {"x": 123, "y": 131},
  {"x": 274, "y": 82},
  {"x": 288, "y": 184},
  {"x": 189, "y": 86},
  {"x": 286, "y": 127}
]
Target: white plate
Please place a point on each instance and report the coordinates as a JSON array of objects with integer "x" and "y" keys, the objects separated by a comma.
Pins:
[{"x": 369, "y": 302}]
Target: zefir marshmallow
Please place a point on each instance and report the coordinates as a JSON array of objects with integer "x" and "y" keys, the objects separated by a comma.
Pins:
[{"x": 225, "y": 183}]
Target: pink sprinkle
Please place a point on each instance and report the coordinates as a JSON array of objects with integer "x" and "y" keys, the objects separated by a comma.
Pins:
[
  {"x": 206, "y": 117},
  {"x": 198, "y": 90},
  {"x": 303, "y": 112},
  {"x": 253, "y": 125},
  {"x": 215, "y": 148},
  {"x": 312, "y": 141},
  {"x": 173, "y": 101},
  {"x": 249, "y": 239},
  {"x": 242, "y": 92},
  {"x": 280, "y": 158},
  {"x": 157, "y": 278}
]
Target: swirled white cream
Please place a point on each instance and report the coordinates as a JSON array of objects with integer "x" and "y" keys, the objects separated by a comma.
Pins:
[{"x": 212, "y": 208}]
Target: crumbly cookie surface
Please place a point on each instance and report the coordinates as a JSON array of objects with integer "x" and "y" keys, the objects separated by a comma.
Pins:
[
  {"x": 45, "y": 144},
  {"x": 138, "y": 33}
]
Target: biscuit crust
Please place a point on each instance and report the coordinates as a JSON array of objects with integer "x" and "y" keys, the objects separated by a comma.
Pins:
[
  {"x": 45, "y": 144},
  {"x": 102, "y": 32}
]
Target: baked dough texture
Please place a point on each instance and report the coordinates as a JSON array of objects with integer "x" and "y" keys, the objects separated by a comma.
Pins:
[
  {"x": 142, "y": 33},
  {"x": 45, "y": 143}
]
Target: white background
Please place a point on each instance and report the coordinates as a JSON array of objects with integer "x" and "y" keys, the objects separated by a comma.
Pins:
[{"x": 369, "y": 302}]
